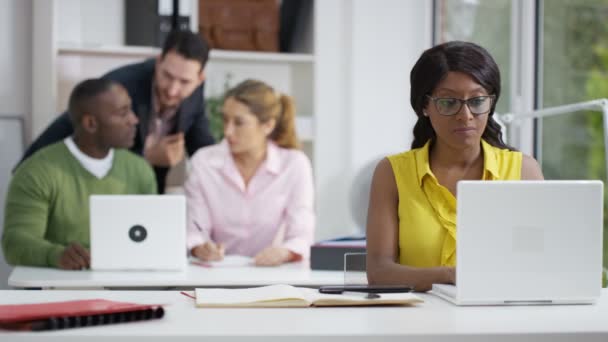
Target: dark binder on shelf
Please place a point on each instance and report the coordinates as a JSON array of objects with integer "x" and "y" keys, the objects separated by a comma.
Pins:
[
  {"x": 74, "y": 314},
  {"x": 145, "y": 25},
  {"x": 329, "y": 254}
]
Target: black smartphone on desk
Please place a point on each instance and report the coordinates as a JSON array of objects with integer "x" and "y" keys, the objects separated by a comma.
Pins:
[{"x": 339, "y": 289}]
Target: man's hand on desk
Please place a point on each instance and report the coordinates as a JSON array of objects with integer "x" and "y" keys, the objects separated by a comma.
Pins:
[
  {"x": 274, "y": 256},
  {"x": 209, "y": 251},
  {"x": 165, "y": 151},
  {"x": 74, "y": 257}
]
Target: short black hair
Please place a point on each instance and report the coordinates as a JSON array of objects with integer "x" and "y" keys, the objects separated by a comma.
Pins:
[
  {"x": 82, "y": 96},
  {"x": 188, "y": 44}
]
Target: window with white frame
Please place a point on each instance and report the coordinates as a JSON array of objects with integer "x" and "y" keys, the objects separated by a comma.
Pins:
[
  {"x": 569, "y": 39},
  {"x": 573, "y": 65}
]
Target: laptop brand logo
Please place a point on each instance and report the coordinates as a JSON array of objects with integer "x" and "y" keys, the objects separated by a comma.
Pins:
[{"x": 138, "y": 233}]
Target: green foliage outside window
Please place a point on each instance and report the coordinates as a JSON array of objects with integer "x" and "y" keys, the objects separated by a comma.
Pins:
[
  {"x": 597, "y": 87},
  {"x": 575, "y": 69},
  {"x": 214, "y": 111},
  {"x": 213, "y": 106}
]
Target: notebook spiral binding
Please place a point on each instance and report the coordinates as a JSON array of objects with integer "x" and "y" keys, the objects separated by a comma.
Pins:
[{"x": 57, "y": 323}]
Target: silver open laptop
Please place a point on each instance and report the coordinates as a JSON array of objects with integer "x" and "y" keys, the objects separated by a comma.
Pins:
[
  {"x": 138, "y": 232},
  {"x": 527, "y": 242}
]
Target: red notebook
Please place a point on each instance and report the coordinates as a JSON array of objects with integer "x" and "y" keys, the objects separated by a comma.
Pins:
[{"x": 72, "y": 314}]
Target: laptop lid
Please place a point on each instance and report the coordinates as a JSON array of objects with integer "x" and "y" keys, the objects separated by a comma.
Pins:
[
  {"x": 526, "y": 242},
  {"x": 138, "y": 232}
]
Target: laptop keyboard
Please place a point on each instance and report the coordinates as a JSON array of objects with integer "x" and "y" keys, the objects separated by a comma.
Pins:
[{"x": 448, "y": 290}]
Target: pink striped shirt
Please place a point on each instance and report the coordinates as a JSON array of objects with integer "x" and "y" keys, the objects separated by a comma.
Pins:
[{"x": 276, "y": 208}]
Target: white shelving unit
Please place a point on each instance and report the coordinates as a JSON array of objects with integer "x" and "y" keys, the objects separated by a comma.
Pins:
[
  {"x": 245, "y": 56},
  {"x": 146, "y": 51},
  {"x": 288, "y": 73}
]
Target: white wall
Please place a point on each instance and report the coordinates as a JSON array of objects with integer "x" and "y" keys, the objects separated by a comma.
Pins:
[
  {"x": 364, "y": 53},
  {"x": 15, "y": 61},
  {"x": 95, "y": 22},
  {"x": 43, "y": 55},
  {"x": 385, "y": 46},
  {"x": 66, "y": 23},
  {"x": 15, "y": 35}
]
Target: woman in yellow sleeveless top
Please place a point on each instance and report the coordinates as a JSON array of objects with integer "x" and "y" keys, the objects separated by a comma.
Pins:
[{"x": 411, "y": 228}]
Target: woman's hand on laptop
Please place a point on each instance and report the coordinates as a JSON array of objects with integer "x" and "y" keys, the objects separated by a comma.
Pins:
[
  {"x": 209, "y": 251},
  {"x": 450, "y": 274},
  {"x": 74, "y": 257}
]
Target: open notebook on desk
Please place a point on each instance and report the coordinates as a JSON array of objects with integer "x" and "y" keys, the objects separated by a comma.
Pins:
[{"x": 274, "y": 296}]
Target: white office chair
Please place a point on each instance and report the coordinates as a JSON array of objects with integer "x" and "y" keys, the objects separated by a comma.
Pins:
[
  {"x": 359, "y": 193},
  {"x": 354, "y": 263}
]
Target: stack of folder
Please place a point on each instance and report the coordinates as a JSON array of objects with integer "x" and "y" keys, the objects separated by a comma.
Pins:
[{"x": 329, "y": 254}]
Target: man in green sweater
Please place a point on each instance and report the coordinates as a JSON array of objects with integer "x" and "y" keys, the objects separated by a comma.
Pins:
[{"x": 46, "y": 219}]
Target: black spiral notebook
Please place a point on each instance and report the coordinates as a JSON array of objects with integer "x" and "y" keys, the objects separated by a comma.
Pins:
[{"x": 74, "y": 314}]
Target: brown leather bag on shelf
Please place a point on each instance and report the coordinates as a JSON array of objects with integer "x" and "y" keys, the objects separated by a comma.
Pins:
[{"x": 251, "y": 25}]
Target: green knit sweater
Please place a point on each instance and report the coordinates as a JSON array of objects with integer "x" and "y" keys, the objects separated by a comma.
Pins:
[{"x": 47, "y": 205}]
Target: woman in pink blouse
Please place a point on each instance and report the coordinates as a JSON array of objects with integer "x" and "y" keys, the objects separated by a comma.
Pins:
[{"x": 252, "y": 194}]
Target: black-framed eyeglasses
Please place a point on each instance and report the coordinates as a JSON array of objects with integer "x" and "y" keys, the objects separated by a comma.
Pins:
[{"x": 451, "y": 106}]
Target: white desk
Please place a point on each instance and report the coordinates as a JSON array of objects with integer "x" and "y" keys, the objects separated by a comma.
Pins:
[
  {"x": 434, "y": 320},
  {"x": 298, "y": 274}
]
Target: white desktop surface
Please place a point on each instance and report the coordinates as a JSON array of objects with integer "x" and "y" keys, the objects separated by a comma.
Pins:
[
  {"x": 298, "y": 274},
  {"x": 433, "y": 320}
]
